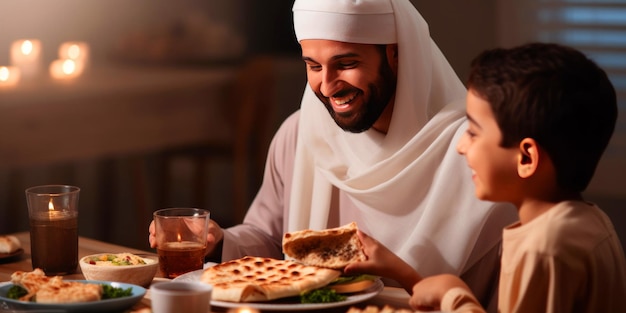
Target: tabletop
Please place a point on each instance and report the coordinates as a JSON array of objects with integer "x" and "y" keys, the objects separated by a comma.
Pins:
[{"x": 391, "y": 296}]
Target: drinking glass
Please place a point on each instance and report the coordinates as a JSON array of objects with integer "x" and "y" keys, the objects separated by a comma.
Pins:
[{"x": 181, "y": 239}]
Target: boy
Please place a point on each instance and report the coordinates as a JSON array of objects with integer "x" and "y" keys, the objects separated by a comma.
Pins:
[{"x": 540, "y": 117}]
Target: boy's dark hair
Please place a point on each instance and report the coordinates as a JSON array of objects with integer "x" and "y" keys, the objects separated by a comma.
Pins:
[{"x": 555, "y": 95}]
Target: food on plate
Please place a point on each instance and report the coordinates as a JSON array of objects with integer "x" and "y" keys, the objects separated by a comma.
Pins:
[
  {"x": 252, "y": 279},
  {"x": 375, "y": 309},
  {"x": 43, "y": 289},
  {"x": 321, "y": 295},
  {"x": 59, "y": 291},
  {"x": 35, "y": 286},
  {"x": 118, "y": 259},
  {"x": 331, "y": 248},
  {"x": 9, "y": 244},
  {"x": 352, "y": 284}
]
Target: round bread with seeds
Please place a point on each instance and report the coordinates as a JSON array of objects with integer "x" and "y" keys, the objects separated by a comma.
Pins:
[{"x": 258, "y": 279}]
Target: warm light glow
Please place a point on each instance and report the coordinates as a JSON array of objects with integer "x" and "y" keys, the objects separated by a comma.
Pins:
[
  {"x": 179, "y": 238},
  {"x": 68, "y": 67},
  {"x": 4, "y": 73},
  {"x": 27, "y": 47},
  {"x": 243, "y": 309},
  {"x": 73, "y": 51},
  {"x": 50, "y": 205},
  {"x": 26, "y": 54},
  {"x": 64, "y": 69},
  {"x": 9, "y": 76}
]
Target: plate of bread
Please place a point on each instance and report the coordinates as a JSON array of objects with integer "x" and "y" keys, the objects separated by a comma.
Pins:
[
  {"x": 36, "y": 291},
  {"x": 310, "y": 278},
  {"x": 10, "y": 247}
]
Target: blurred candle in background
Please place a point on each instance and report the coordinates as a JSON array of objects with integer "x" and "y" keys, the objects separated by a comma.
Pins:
[
  {"x": 77, "y": 51},
  {"x": 26, "y": 55},
  {"x": 65, "y": 69},
  {"x": 9, "y": 76},
  {"x": 243, "y": 309}
]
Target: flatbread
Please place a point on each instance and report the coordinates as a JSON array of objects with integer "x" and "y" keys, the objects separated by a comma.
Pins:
[
  {"x": 330, "y": 248},
  {"x": 258, "y": 279},
  {"x": 31, "y": 281},
  {"x": 9, "y": 244},
  {"x": 44, "y": 289},
  {"x": 59, "y": 291}
]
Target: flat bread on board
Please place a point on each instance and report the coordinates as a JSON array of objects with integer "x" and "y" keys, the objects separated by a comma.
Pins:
[
  {"x": 330, "y": 248},
  {"x": 258, "y": 279}
]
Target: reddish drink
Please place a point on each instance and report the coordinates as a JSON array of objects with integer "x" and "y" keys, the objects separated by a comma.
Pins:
[
  {"x": 177, "y": 258},
  {"x": 54, "y": 242}
]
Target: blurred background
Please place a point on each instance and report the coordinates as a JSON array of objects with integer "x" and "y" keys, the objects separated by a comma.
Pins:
[{"x": 178, "y": 100}]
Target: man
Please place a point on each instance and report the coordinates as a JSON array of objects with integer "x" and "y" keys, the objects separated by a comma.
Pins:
[{"x": 373, "y": 143}]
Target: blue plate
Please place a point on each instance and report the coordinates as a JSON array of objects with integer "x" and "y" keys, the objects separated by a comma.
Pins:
[{"x": 108, "y": 305}]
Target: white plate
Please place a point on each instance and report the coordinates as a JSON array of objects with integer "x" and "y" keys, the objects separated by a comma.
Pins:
[
  {"x": 108, "y": 305},
  {"x": 274, "y": 306}
]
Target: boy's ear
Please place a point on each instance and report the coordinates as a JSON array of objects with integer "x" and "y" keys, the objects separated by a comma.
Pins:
[{"x": 528, "y": 158}]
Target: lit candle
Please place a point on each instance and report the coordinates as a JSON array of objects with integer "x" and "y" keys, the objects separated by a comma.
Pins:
[
  {"x": 55, "y": 214},
  {"x": 243, "y": 309},
  {"x": 63, "y": 69},
  {"x": 9, "y": 76},
  {"x": 75, "y": 50},
  {"x": 26, "y": 54}
]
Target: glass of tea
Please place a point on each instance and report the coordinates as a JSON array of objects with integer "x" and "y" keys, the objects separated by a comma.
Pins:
[
  {"x": 181, "y": 239},
  {"x": 53, "y": 217}
]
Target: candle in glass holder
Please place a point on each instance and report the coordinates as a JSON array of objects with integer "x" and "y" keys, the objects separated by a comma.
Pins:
[
  {"x": 53, "y": 217},
  {"x": 181, "y": 239},
  {"x": 77, "y": 51},
  {"x": 180, "y": 257},
  {"x": 26, "y": 55},
  {"x": 243, "y": 309},
  {"x": 9, "y": 76},
  {"x": 62, "y": 69}
]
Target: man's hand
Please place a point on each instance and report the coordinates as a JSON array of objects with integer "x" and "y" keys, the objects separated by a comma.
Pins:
[{"x": 215, "y": 234}]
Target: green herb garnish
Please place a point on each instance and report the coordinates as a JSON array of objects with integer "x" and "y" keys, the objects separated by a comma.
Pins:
[
  {"x": 110, "y": 292},
  {"x": 322, "y": 295},
  {"x": 16, "y": 292}
]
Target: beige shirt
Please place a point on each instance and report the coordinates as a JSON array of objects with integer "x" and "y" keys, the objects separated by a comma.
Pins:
[{"x": 569, "y": 259}]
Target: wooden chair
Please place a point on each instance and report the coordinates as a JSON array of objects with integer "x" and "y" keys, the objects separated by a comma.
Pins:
[{"x": 248, "y": 108}]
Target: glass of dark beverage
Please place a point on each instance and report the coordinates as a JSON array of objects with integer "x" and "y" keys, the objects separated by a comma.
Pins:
[
  {"x": 181, "y": 239},
  {"x": 53, "y": 217}
]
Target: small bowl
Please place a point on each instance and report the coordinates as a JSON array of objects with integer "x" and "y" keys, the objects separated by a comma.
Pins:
[{"x": 140, "y": 274}]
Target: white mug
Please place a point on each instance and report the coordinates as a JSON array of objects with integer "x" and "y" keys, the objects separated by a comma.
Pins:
[{"x": 180, "y": 296}]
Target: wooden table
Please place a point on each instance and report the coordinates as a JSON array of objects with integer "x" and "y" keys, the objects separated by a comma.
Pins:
[{"x": 395, "y": 297}]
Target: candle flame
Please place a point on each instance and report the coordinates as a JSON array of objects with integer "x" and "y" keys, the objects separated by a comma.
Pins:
[
  {"x": 50, "y": 205},
  {"x": 27, "y": 47},
  {"x": 246, "y": 310},
  {"x": 179, "y": 239},
  {"x": 4, "y": 73},
  {"x": 74, "y": 51},
  {"x": 69, "y": 66}
]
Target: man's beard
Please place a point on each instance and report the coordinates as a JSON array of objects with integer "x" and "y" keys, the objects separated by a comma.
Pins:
[{"x": 381, "y": 91}]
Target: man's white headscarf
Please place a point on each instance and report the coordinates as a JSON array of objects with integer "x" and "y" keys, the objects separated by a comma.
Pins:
[{"x": 407, "y": 182}]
